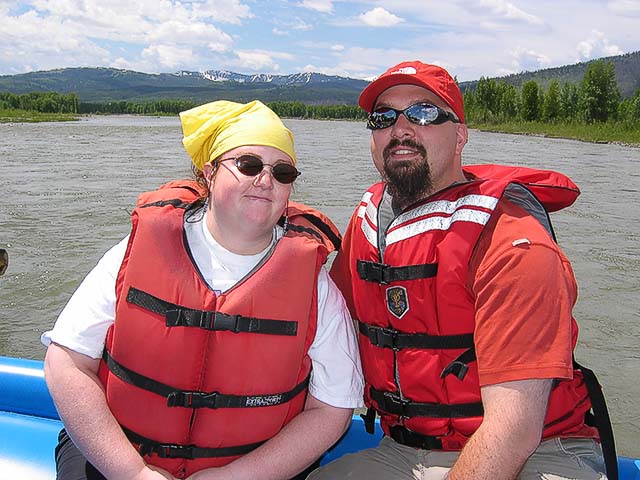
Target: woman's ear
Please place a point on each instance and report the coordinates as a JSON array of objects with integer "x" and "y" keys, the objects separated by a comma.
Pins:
[{"x": 208, "y": 171}]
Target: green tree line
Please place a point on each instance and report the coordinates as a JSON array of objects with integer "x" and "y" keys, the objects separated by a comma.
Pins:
[
  {"x": 595, "y": 99},
  {"x": 52, "y": 102},
  {"x": 165, "y": 106},
  {"x": 301, "y": 110},
  {"x": 44, "y": 102}
]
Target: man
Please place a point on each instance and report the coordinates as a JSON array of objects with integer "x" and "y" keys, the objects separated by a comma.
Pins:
[{"x": 463, "y": 302}]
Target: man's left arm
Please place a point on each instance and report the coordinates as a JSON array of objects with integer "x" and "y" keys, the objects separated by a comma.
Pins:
[
  {"x": 510, "y": 432},
  {"x": 524, "y": 292}
]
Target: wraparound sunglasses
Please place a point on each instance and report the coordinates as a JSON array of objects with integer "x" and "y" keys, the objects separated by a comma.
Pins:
[
  {"x": 250, "y": 165},
  {"x": 418, "y": 114}
]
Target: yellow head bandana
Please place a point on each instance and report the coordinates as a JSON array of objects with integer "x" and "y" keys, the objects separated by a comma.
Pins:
[{"x": 217, "y": 127}]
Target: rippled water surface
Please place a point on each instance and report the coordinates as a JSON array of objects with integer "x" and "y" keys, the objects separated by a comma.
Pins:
[{"x": 68, "y": 189}]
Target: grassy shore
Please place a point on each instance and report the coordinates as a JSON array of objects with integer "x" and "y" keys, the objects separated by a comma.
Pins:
[
  {"x": 596, "y": 133},
  {"x": 26, "y": 116}
]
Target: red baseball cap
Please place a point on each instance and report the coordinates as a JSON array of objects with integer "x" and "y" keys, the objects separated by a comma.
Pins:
[{"x": 431, "y": 77}]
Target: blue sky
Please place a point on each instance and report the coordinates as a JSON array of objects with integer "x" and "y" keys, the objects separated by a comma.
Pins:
[{"x": 358, "y": 38}]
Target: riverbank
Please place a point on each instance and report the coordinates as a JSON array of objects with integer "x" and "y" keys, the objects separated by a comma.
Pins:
[
  {"x": 27, "y": 116},
  {"x": 595, "y": 133}
]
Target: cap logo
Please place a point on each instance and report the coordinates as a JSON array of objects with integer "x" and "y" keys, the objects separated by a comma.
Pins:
[{"x": 405, "y": 71}]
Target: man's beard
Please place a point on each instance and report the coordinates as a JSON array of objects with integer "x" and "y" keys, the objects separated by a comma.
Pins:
[{"x": 407, "y": 182}]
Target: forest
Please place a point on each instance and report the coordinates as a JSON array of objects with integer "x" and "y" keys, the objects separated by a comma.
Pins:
[{"x": 492, "y": 104}]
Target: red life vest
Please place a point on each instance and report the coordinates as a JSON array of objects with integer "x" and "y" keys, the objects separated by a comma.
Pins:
[
  {"x": 196, "y": 378},
  {"x": 416, "y": 313}
]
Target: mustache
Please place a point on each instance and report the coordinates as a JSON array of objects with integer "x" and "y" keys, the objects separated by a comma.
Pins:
[{"x": 386, "y": 153}]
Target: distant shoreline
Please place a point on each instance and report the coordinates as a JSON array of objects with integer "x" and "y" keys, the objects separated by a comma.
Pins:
[
  {"x": 545, "y": 135},
  {"x": 583, "y": 133}
]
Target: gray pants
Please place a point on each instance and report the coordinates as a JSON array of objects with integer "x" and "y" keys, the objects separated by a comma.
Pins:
[{"x": 555, "y": 459}]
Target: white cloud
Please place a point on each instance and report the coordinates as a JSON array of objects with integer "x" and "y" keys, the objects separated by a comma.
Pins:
[
  {"x": 474, "y": 37},
  {"x": 260, "y": 61},
  {"x": 508, "y": 11},
  {"x": 226, "y": 11},
  {"x": 324, "y": 6},
  {"x": 169, "y": 56},
  {"x": 256, "y": 61},
  {"x": 527, "y": 60},
  {"x": 188, "y": 33},
  {"x": 379, "y": 17},
  {"x": 596, "y": 46},
  {"x": 150, "y": 34},
  {"x": 342, "y": 70},
  {"x": 629, "y": 8},
  {"x": 45, "y": 44},
  {"x": 301, "y": 25}
]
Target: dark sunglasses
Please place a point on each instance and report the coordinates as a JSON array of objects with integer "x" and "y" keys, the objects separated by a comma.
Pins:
[
  {"x": 250, "y": 165},
  {"x": 4, "y": 261},
  {"x": 418, "y": 114}
]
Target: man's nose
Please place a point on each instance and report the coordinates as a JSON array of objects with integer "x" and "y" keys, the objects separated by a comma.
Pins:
[{"x": 403, "y": 128}]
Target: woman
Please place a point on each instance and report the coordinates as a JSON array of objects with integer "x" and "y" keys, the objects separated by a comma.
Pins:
[{"x": 189, "y": 350}]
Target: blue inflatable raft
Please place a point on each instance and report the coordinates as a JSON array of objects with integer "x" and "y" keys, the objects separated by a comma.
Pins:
[{"x": 29, "y": 426}]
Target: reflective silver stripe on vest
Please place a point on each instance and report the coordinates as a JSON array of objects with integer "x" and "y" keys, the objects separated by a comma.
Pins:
[
  {"x": 460, "y": 210},
  {"x": 437, "y": 223},
  {"x": 446, "y": 207}
]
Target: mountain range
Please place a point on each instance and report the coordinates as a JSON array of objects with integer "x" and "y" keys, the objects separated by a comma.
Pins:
[{"x": 109, "y": 84}]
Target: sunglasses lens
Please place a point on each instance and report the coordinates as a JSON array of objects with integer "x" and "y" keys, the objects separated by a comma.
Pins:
[
  {"x": 421, "y": 114},
  {"x": 249, "y": 165},
  {"x": 382, "y": 119},
  {"x": 285, "y": 173},
  {"x": 4, "y": 261}
]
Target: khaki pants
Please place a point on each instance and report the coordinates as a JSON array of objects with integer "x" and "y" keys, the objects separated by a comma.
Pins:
[{"x": 555, "y": 459}]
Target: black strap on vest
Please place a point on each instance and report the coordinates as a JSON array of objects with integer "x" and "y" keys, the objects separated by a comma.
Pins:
[
  {"x": 381, "y": 273},
  {"x": 290, "y": 227},
  {"x": 460, "y": 366},
  {"x": 601, "y": 420},
  {"x": 391, "y": 403},
  {"x": 177, "y": 316},
  {"x": 390, "y": 338},
  {"x": 174, "y": 202},
  {"x": 324, "y": 228},
  {"x": 369, "y": 419},
  {"x": 195, "y": 399},
  {"x": 170, "y": 450},
  {"x": 413, "y": 439}
]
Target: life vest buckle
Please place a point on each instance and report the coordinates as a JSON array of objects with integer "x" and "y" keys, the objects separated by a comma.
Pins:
[
  {"x": 192, "y": 399},
  {"x": 395, "y": 405},
  {"x": 383, "y": 337},
  {"x": 223, "y": 321},
  {"x": 174, "y": 451},
  {"x": 374, "y": 272}
]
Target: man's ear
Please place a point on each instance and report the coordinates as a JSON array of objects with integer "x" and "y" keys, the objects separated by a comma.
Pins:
[{"x": 462, "y": 135}]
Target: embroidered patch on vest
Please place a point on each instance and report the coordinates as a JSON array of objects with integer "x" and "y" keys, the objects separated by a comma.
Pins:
[{"x": 397, "y": 301}]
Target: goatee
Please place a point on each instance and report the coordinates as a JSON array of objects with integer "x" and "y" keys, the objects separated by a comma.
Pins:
[{"x": 407, "y": 182}]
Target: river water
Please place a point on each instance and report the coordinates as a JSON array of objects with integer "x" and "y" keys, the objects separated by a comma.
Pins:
[{"x": 67, "y": 189}]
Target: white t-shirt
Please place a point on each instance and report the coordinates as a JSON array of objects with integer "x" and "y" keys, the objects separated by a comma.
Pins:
[{"x": 336, "y": 376}]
